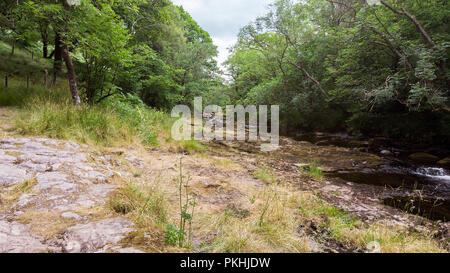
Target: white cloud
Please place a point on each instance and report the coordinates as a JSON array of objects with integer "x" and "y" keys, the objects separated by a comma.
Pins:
[
  {"x": 224, "y": 18},
  {"x": 223, "y": 44}
]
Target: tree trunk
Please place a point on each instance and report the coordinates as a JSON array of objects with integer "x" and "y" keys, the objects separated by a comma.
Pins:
[
  {"x": 44, "y": 36},
  {"x": 6, "y": 80},
  {"x": 70, "y": 70},
  {"x": 44, "y": 49},
  {"x": 300, "y": 66},
  {"x": 45, "y": 78},
  {"x": 13, "y": 47},
  {"x": 72, "y": 76},
  {"x": 57, "y": 63}
]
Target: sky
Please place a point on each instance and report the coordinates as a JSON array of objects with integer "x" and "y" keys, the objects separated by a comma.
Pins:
[{"x": 224, "y": 18}]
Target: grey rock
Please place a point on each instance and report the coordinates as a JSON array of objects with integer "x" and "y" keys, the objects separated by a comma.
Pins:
[
  {"x": 15, "y": 238},
  {"x": 33, "y": 146},
  {"x": 93, "y": 236},
  {"x": 10, "y": 174},
  {"x": 113, "y": 174},
  {"x": 70, "y": 215},
  {"x": 7, "y": 146},
  {"x": 135, "y": 161},
  {"x": 24, "y": 200},
  {"x": 119, "y": 249},
  {"x": 15, "y": 141},
  {"x": 72, "y": 146},
  {"x": 97, "y": 192},
  {"x": 83, "y": 167},
  {"x": 35, "y": 167},
  {"x": 51, "y": 180},
  {"x": 98, "y": 177},
  {"x": 7, "y": 159}
]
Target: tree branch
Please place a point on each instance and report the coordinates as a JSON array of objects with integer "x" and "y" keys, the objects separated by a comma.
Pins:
[{"x": 413, "y": 19}]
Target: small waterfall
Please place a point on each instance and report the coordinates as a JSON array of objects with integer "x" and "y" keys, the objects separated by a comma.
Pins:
[{"x": 436, "y": 173}]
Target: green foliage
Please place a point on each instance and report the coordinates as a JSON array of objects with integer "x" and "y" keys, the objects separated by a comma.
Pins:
[
  {"x": 266, "y": 175},
  {"x": 369, "y": 60},
  {"x": 148, "y": 48},
  {"x": 173, "y": 235},
  {"x": 330, "y": 65},
  {"x": 193, "y": 146},
  {"x": 121, "y": 120},
  {"x": 313, "y": 171},
  {"x": 182, "y": 235}
]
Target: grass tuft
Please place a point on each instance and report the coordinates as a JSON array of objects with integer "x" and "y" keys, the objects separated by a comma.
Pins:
[{"x": 266, "y": 175}]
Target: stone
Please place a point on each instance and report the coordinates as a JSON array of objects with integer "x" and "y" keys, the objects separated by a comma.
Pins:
[
  {"x": 423, "y": 158},
  {"x": 35, "y": 167},
  {"x": 16, "y": 238},
  {"x": 10, "y": 174},
  {"x": 93, "y": 236},
  {"x": 72, "y": 146},
  {"x": 113, "y": 174},
  {"x": 15, "y": 141},
  {"x": 51, "y": 180},
  {"x": 95, "y": 176},
  {"x": 70, "y": 215},
  {"x": 33, "y": 146},
  {"x": 125, "y": 250},
  {"x": 7, "y": 159},
  {"x": 386, "y": 152},
  {"x": 83, "y": 167},
  {"x": 24, "y": 200},
  {"x": 97, "y": 192}
]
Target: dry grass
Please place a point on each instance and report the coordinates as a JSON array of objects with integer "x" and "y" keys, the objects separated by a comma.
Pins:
[
  {"x": 394, "y": 239},
  {"x": 271, "y": 225},
  {"x": 226, "y": 165},
  {"x": 146, "y": 206},
  {"x": 255, "y": 219},
  {"x": 45, "y": 224},
  {"x": 9, "y": 197},
  {"x": 348, "y": 230}
]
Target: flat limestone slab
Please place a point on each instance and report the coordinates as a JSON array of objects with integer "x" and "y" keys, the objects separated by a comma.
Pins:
[
  {"x": 93, "y": 236},
  {"x": 10, "y": 174},
  {"x": 15, "y": 238}
]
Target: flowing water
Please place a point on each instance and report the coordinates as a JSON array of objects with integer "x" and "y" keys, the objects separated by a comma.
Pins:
[{"x": 401, "y": 183}]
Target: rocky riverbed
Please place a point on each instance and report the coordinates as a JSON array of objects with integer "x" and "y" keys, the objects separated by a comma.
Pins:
[{"x": 55, "y": 194}]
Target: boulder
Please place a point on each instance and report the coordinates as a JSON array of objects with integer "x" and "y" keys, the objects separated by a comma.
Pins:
[{"x": 423, "y": 158}]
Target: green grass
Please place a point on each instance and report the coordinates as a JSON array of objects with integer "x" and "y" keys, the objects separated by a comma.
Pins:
[
  {"x": 145, "y": 204},
  {"x": 19, "y": 95},
  {"x": 266, "y": 175},
  {"x": 312, "y": 170},
  {"x": 193, "y": 146},
  {"x": 52, "y": 114},
  {"x": 22, "y": 63}
]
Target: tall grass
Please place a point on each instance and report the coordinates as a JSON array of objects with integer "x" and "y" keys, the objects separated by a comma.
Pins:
[
  {"x": 119, "y": 120},
  {"x": 18, "y": 95},
  {"x": 22, "y": 62}
]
